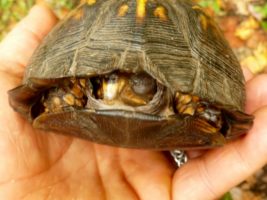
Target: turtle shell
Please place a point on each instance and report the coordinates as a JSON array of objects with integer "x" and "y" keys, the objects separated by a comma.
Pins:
[{"x": 173, "y": 41}]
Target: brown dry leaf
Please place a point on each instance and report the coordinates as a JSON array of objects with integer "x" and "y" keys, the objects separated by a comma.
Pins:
[
  {"x": 257, "y": 38},
  {"x": 228, "y": 25},
  {"x": 258, "y": 61},
  {"x": 221, "y": 3},
  {"x": 246, "y": 29},
  {"x": 240, "y": 194},
  {"x": 242, "y": 7}
]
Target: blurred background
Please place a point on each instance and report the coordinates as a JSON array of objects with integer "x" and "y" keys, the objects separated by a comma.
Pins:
[{"x": 244, "y": 23}]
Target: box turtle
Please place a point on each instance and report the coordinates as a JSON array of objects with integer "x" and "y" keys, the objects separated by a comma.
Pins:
[{"x": 150, "y": 74}]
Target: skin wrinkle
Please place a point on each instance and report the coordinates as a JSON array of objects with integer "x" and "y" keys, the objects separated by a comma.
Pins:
[
  {"x": 45, "y": 170},
  {"x": 157, "y": 174},
  {"x": 127, "y": 181},
  {"x": 183, "y": 177},
  {"x": 51, "y": 20},
  {"x": 64, "y": 180},
  {"x": 252, "y": 139},
  {"x": 20, "y": 63},
  {"x": 41, "y": 143},
  {"x": 262, "y": 146},
  {"x": 28, "y": 195},
  {"x": 82, "y": 166},
  {"x": 32, "y": 192},
  {"x": 21, "y": 125},
  {"x": 204, "y": 175},
  {"x": 49, "y": 193},
  {"x": 257, "y": 95},
  {"x": 22, "y": 151},
  {"x": 241, "y": 158},
  {"x": 16, "y": 162},
  {"x": 115, "y": 171},
  {"x": 33, "y": 35},
  {"x": 126, "y": 177},
  {"x": 24, "y": 161},
  {"x": 63, "y": 150},
  {"x": 99, "y": 175},
  {"x": 123, "y": 165},
  {"x": 11, "y": 78},
  {"x": 13, "y": 73},
  {"x": 60, "y": 181}
]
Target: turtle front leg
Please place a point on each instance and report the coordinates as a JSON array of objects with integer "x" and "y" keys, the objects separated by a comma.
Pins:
[{"x": 208, "y": 118}]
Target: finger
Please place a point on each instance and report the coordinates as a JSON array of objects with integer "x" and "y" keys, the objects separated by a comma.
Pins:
[
  {"x": 256, "y": 93},
  {"x": 110, "y": 173},
  {"x": 219, "y": 170},
  {"x": 195, "y": 153},
  {"x": 247, "y": 73},
  {"x": 20, "y": 43},
  {"x": 148, "y": 172}
]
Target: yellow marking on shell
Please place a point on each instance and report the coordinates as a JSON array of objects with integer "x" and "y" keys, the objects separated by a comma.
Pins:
[
  {"x": 204, "y": 22},
  {"x": 82, "y": 82},
  {"x": 200, "y": 109},
  {"x": 45, "y": 104},
  {"x": 123, "y": 10},
  {"x": 189, "y": 110},
  {"x": 69, "y": 99},
  {"x": 141, "y": 10},
  {"x": 79, "y": 14},
  {"x": 79, "y": 103},
  {"x": 195, "y": 99},
  {"x": 196, "y": 7},
  {"x": 56, "y": 101},
  {"x": 181, "y": 108},
  {"x": 177, "y": 95},
  {"x": 185, "y": 99},
  {"x": 161, "y": 13},
  {"x": 90, "y": 2},
  {"x": 76, "y": 91}
]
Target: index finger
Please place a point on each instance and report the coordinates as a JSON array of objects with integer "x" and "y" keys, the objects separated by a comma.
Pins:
[{"x": 17, "y": 48}]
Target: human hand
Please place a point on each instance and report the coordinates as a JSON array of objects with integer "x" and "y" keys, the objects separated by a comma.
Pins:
[{"x": 40, "y": 165}]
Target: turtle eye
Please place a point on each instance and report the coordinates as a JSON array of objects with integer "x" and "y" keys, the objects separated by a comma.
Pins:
[{"x": 143, "y": 84}]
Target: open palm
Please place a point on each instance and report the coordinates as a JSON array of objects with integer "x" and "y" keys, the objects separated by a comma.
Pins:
[{"x": 41, "y": 165}]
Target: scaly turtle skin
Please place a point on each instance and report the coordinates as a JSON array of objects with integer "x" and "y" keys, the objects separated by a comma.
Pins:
[{"x": 154, "y": 74}]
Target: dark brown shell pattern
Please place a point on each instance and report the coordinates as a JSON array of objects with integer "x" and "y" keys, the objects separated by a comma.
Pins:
[{"x": 172, "y": 41}]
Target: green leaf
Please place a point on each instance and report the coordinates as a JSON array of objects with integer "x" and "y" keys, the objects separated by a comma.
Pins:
[
  {"x": 262, "y": 10},
  {"x": 264, "y": 25},
  {"x": 5, "y": 4},
  {"x": 213, "y": 4},
  {"x": 227, "y": 196}
]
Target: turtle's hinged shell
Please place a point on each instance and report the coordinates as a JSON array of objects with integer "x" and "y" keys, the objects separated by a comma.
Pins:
[{"x": 150, "y": 74}]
